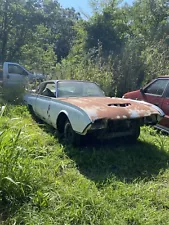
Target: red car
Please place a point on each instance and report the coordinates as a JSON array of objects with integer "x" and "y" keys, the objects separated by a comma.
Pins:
[{"x": 157, "y": 93}]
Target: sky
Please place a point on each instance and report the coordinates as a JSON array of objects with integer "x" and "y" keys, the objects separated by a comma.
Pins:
[{"x": 81, "y": 5}]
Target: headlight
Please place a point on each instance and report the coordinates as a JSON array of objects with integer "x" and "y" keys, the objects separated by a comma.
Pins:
[{"x": 99, "y": 124}]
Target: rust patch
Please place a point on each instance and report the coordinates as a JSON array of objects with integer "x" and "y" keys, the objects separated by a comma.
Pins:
[{"x": 113, "y": 108}]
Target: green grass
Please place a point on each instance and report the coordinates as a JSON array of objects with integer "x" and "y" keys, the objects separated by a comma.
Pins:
[{"x": 44, "y": 182}]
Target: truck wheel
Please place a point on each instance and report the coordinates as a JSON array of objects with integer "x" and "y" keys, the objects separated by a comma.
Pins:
[{"x": 70, "y": 136}]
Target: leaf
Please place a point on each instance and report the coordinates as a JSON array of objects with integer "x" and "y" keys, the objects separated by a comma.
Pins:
[{"x": 11, "y": 180}]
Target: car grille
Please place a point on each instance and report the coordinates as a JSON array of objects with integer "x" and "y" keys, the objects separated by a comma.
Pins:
[{"x": 119, "y": 125}]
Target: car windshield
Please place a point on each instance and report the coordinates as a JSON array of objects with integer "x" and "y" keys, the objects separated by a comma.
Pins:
[{"x": 78, "y": 89}]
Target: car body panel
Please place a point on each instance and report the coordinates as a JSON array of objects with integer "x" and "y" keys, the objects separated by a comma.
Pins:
[
  {"x": 48, "y": 109},
  {"x": 113, "y": 108},
  {"x": 160, "y": 100}
]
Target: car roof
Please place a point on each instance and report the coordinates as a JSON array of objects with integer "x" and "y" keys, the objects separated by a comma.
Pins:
[
  {"x": 163, "y": 76},
  {"x": 55, "y": 81},
  {"x": 69, "y": 80}
]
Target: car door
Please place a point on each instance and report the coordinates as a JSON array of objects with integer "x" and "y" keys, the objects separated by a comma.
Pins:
[
  {"x": 43, "y": 101},
  {"x": 165, "y": 107},
  {"x": 154, "y": 93},
  {"x": 15, "y": 75}
]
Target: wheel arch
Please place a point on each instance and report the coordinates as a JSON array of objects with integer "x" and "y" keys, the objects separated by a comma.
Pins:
[
  {"x": 78, "y": 119},
  {"x": 60, "y": 122},
  {"x": 30, "y": 108}
]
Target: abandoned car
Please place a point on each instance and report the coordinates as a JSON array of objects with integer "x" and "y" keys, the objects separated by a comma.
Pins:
[
  {"x": 156, "y": 92},
  {"x": 79, "y": 108}
]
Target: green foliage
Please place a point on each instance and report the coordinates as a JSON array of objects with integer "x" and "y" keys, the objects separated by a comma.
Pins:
[
  {"x": 131, "y": 41},
  {"x": 43, "y": 182},
  {"x": 120, "y": 47},
  {"x": 92, "y": 70},
  {"x": 156, "y": 60},
  {"x": 36, "y": 33},
  {"x": 39, "y": 56},
  {"x": 14, "y": 178},
  {"x": 60, "y": 22},
  {"x": 17, "y": 158}
]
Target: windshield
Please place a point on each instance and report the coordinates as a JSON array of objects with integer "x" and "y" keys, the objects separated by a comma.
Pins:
[{"x": 78, "y": 89}]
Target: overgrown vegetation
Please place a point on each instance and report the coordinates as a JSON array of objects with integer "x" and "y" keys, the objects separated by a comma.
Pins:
[
  {"x": 119, "y": 46},
  {"x": 44, "y": 182}
]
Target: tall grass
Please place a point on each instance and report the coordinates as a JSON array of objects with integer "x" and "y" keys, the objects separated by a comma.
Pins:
[
  {"x": 18, "y": 152},
  {"x": 15, "y": 174},
  {"x": 44, "y": 182},
  {"x": 15, "y": 164}
]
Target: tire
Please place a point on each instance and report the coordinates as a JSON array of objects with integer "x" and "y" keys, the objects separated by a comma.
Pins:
[
  {"x": 70, "y": 136},
  {"x": 135, "y": 132}
]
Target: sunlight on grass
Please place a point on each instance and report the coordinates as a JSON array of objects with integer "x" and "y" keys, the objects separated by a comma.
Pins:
[{"x": 44, "y": 182}]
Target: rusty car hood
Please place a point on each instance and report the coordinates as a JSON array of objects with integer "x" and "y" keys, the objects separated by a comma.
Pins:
[{"x": 113, "y": 108}]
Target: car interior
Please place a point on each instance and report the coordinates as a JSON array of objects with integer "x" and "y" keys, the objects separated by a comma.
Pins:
[{"x": 49, "y": 93}]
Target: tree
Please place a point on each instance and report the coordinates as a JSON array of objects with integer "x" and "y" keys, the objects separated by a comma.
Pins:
[{"x": 61, "y": 23}]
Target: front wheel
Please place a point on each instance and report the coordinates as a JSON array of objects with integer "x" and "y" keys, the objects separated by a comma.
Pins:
[
  {"x": 135, "y": 132},
  {"x": 70, "y": 136}
]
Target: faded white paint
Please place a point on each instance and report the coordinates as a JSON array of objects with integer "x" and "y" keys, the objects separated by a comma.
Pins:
[{"x": 134, "y": 114}]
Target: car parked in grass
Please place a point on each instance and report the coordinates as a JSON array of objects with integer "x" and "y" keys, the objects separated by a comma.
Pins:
[
  {"x": 79, "y": 108},
  {"x": 157, "y": 93}
]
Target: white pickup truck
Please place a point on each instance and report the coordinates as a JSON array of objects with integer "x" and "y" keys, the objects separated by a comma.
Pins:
[
  {"x": 14, "y": 79},
  {"x": 13, "y": 74}
]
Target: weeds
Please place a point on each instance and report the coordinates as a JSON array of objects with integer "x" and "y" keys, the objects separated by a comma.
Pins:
[{"x": 43, "y": 182}]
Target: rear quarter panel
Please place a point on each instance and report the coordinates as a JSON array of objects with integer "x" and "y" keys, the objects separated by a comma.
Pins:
[{"x": 30, "y": 99}]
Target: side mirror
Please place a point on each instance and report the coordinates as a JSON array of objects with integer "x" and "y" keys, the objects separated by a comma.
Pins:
[{"x": 141, "y": 90}]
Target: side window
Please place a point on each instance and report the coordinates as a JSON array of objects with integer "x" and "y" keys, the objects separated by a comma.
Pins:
[
  {"x": 40, "y": 88},
  {"x": 167, "y": 92},
  {"x": 16, "y": 70},
  {"x": 49, "y": 90},
  {"x": 157, "y": 88}
]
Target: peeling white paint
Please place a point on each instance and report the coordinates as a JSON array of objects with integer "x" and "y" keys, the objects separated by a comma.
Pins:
[{"x": 134, "y": 114}]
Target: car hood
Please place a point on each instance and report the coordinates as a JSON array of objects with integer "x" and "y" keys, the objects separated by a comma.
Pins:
[{"x": 114, "y": 108}]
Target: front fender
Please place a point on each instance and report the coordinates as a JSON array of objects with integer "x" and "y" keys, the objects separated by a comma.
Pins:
[
  {"x": 77, "y": 117},
  {"x": 79, "y": 120}
]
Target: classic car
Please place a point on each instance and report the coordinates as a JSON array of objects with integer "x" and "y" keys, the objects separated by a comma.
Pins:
[
  {"x": 156, "y": 92},
  {"x": 79, "y": 108}
]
